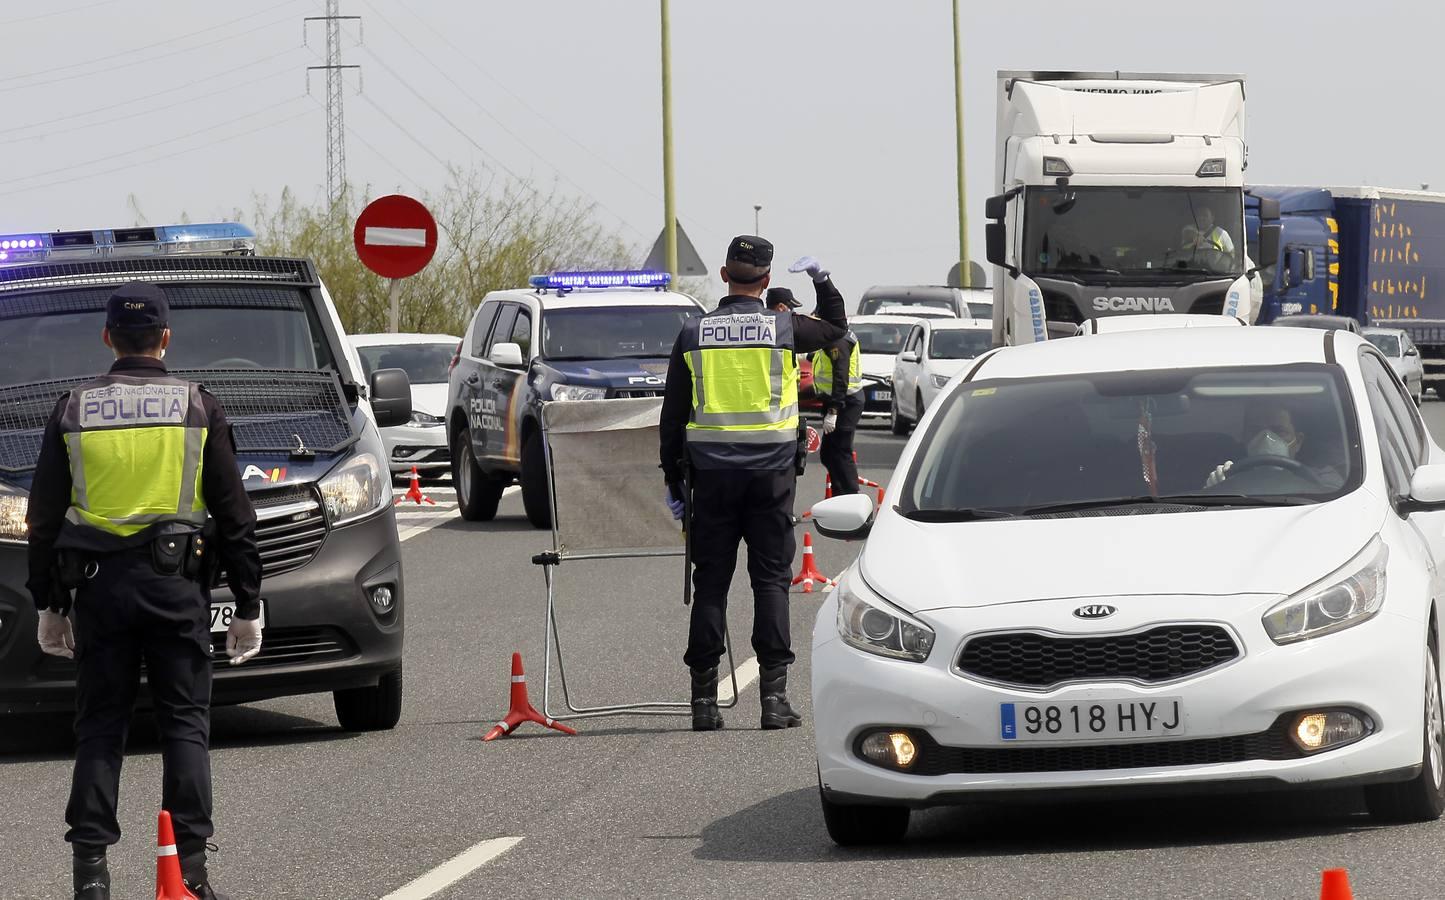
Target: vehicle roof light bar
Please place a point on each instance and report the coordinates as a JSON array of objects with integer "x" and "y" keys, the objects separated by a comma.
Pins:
[
  {"x": 227, "y": 238},
  {"x": 631, "y": 278}
]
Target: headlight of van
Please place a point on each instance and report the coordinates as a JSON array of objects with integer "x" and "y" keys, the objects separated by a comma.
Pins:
[
  {"x": 13, "y": 504},
  {"x": 355, "y": 489},
  {"x": 1353, "y": 594},
  {"x": 869, "y": 623}
]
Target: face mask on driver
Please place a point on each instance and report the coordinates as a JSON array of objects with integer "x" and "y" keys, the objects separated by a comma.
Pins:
[{"x": 1267, "y": 443}]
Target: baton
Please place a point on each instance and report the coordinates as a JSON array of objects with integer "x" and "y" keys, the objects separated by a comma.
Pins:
[{"x": 687, "y": 540}]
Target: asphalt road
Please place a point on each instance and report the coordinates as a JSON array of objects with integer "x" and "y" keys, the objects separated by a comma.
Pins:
[{"x": 638, "y": 806}]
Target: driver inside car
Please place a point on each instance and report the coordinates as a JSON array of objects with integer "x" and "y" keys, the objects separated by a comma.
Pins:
[{"x": 1273, "y": 434}]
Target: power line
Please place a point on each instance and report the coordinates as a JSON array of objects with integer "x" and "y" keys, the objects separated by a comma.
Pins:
[
  {"x": 406, "y": 131},
  {"x": 110, "y": 107},
  {"x": 58, "y": 12},
  {"x": 107, "y": 70},
  {"x": 248, "y": 132}
]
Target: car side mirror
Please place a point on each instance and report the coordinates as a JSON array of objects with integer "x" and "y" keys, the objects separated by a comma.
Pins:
[
  {"x": 908, "y": 356},
  {"x": 507, "y": 355},
  {"x": 1427, "y": 491},
  {"x": 390, "y": 397},
  {"x": 848, "y": 517},
  {"x": 1412, "y": 351}
]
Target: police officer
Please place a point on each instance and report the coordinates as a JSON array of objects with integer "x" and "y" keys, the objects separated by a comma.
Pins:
[
  {"x": 838, "y": 379},
  {"x": 130, "y": 466},
  {"x": 729, "y": 429}
]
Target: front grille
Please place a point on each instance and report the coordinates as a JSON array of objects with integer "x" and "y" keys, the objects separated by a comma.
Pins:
[
  {"x": 290, "y": 527},
  {"x": 291, "y": 646},
  {"x": 1038, "y": 661},
  {"x": 1061, "y": 308},
  {"x": 1273, "y": 744},
  {"x": 630, "y": 393}
]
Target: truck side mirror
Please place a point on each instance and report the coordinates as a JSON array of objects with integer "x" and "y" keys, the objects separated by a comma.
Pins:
[
  {"x": 996, "y": 208},
  {"x": 390, "y": 397},
  {"x": 1294, "y": 269},
  {"x": 1268, "y": 244},
  {"x": 1268, "y": 209},
  {"x": 995, "y": 242}
]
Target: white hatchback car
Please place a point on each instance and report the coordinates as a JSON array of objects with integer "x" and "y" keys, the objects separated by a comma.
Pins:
[
  {"x": 427, "y": 359},
  {"x": 1403, "y": 356},
  {"x": 933, "y": 352},
  {"x": 1171, "y": 560}
]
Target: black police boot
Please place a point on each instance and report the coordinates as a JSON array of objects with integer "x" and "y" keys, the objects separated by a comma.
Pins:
[
  {"x": 92, "y": 877},
  {"x": 197, "y": 880},
  {"x": 776, "y": 711},
  {"x": 705, "y": 714}
]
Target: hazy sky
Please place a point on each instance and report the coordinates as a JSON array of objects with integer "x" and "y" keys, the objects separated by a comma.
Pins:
[{"x": 835, "y": 115}]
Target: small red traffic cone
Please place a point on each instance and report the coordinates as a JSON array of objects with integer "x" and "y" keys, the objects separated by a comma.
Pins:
[
  {"x": 809, "y": 573},
  {"x": 1335, "y": 885},
  {"x": 522, "y": 710},
  {"x": 414, "y": 493},
  {"x": 827, "y": 485},
  {"x": 169, "y": 885}
]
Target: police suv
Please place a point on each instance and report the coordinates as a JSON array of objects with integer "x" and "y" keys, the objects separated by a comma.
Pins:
[
  {"x": 263, "y": 336},
  {"x": 572, "y": 336}
]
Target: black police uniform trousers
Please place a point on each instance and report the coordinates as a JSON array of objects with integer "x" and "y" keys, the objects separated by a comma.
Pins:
[
  {"x": 836, "y": 452},
  {"x": 755, "y": 506},
  {"x": 129, "y": 613}
]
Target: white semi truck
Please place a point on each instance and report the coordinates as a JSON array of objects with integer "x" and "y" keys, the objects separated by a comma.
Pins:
[{"x": 1120, "y": 194}]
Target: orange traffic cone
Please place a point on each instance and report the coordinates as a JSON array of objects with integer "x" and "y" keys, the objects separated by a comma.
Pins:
[
  {"x": 169, "y": 885},
  {"x": 1336, "y": 885},
  {"x": 809, "y": 573},
  {"x": 414, "y": 493},
  {"x": 522, "y": 710}
]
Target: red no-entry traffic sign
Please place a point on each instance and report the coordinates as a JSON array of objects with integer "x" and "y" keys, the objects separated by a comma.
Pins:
[{"x": 395, "y": 236}]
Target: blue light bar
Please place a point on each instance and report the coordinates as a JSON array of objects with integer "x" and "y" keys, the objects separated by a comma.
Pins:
[
  {"x": 633, "y": 278},
  {"x": 140, "y": 240}
]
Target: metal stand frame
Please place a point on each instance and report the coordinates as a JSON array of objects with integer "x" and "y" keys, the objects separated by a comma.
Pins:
[{"x": 552, "y": 639}]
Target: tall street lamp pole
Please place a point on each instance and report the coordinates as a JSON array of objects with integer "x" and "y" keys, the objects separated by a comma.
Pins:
[
  {"x": 757, "y": 210},
  {"x": 669, "y": 200},
  {"x": 963, "y": 265}
]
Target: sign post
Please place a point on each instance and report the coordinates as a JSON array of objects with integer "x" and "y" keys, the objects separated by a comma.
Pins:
[{"x": 395, "y": 237}]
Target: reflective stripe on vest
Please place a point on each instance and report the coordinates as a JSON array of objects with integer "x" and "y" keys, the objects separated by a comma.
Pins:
[
  {"x": 135, "y": 448},
  {"x": 823, "y": 372}
]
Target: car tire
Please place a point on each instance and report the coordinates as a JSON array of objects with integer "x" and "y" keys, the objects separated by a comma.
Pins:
[
  {"x": 896, "y": 423},
  {"x": 376, "y": 708},
  {"x": 918, "y": 405},
  {"x": 478, "y": 494},
  {"x": 857, "y": 825},
  {"x": 1422, "y": 798},
  {"x": 535, "y": 498}
]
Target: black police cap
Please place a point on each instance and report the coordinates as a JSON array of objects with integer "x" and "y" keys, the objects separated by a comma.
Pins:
[
  {"x": 751, "y": 250},
  {"x": 782, "y": 295},
  {"x": 137, "y": 305}
]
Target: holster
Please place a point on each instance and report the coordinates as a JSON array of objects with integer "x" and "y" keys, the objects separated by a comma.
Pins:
[
  {"x": 800, "y": 459},
  {"x": 179, "y": 553},
  {"x": 70, "y": 568}
]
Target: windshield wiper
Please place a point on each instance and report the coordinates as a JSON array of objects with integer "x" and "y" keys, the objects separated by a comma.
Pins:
[
  {"x": 1074, "y": 505},
  {"x": 1235, "y": 500},
  {"x": 956, "y": 514}
]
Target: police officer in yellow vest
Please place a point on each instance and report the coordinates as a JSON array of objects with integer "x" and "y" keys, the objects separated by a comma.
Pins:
[
  {"x": 838, "y": 380},
  {"x": 729, "y": 434},
  {"x": 131, "y": 465}
]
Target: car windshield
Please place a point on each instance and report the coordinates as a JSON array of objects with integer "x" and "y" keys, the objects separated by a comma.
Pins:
[
  {"x": 612, "y": 332},
  {"x": 423, "y": 363},
  {"x": 1081, "y": 231},
  {"x": 959, "y": 343},
  {"x": 881, "y": 337},
  {"x": 1389, "y": 344},
  {"x": 871, "y": 305},
  {"x": 56, "y": 334},
  {"x": 1038, "y": 446}
]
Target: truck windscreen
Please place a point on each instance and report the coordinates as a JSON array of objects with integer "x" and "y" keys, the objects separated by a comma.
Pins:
[
  {"x": 1140, "y": 232},
  {"x": 56, "y": 334}
]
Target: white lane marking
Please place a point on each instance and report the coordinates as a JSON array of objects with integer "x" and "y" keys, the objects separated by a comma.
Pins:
[
  {"x": 454, "y": 870},
  {"x": 437, "y": 517},
  {"x": 747, "y": 674},
  {"x": 394, "y": 237}
]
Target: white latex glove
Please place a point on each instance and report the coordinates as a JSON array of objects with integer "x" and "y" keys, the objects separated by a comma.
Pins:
[
  {"x": 55, "y": 635},
  {"x": 243, "y": 640},
  {"x": 810, "y": 265},
  {"x": 1219, "y": 474},
  {"x": 830, "y": 421}
]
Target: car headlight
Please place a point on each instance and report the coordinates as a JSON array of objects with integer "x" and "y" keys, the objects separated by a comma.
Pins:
[
  {"x": 422, "y": 420},
  {"x": 13, "y": 504},
  {"x": 356, "y": 489},
  {"x": 577, "y": 392},
  {"x": 869, "y": 623},
  {"x": 1353, "y": 594},
  {"x": 941, "y": 381}
]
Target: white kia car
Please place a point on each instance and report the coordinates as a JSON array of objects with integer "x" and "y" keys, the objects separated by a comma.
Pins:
[
  {"x": 933, "y": 352},
  {"x": 1169, "y": 560},
  {"x": 1118, "y": 324}
]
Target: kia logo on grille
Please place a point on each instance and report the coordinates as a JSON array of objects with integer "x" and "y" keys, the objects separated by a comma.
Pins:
[{"x": 1095, "y": 611}]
